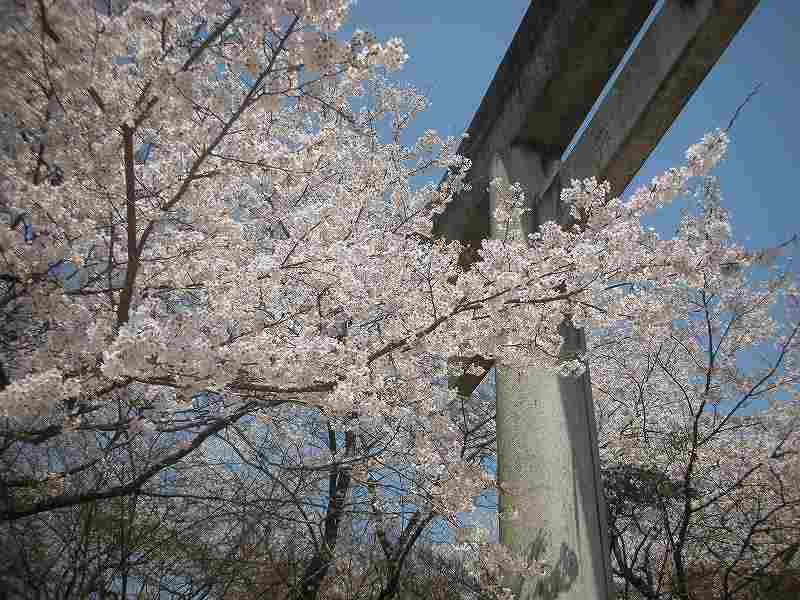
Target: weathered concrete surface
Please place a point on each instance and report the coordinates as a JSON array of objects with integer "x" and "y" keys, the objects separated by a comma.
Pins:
[
  {"x": 520, "y": 163},
  {"x": 673, "y": 58},
  {"x": 547, "y": 447},
  {"x": 547, "y": 442},
  {"x": 557, "y": 64},
  {"x": 676, "y": 53},
  {"x": 560, "y": 59}
]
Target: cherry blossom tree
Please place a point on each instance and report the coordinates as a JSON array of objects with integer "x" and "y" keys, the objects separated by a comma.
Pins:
[
  {"x": 213, "y": 220},
  {"x": 693, "y": 485}
]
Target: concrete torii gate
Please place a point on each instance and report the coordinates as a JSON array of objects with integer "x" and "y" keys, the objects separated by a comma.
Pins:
[{"x": 560, "y": 59}]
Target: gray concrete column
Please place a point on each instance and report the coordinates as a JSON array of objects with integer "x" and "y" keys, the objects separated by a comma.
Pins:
[{"x": 547, "y": 445}]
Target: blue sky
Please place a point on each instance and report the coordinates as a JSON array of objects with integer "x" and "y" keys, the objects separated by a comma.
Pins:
[{"x": 456, "y": 45}]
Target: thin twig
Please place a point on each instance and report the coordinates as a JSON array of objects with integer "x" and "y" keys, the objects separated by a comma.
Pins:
[{"x": 741, "y": 106}]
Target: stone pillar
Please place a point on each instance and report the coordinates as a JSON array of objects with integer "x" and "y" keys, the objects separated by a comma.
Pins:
[{"x": 547, "y": 442}]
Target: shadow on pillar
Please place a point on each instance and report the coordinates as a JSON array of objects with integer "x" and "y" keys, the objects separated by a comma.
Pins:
[
  {"x": 560, "y": 578},
  {"x": 590, "y": 509}
]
